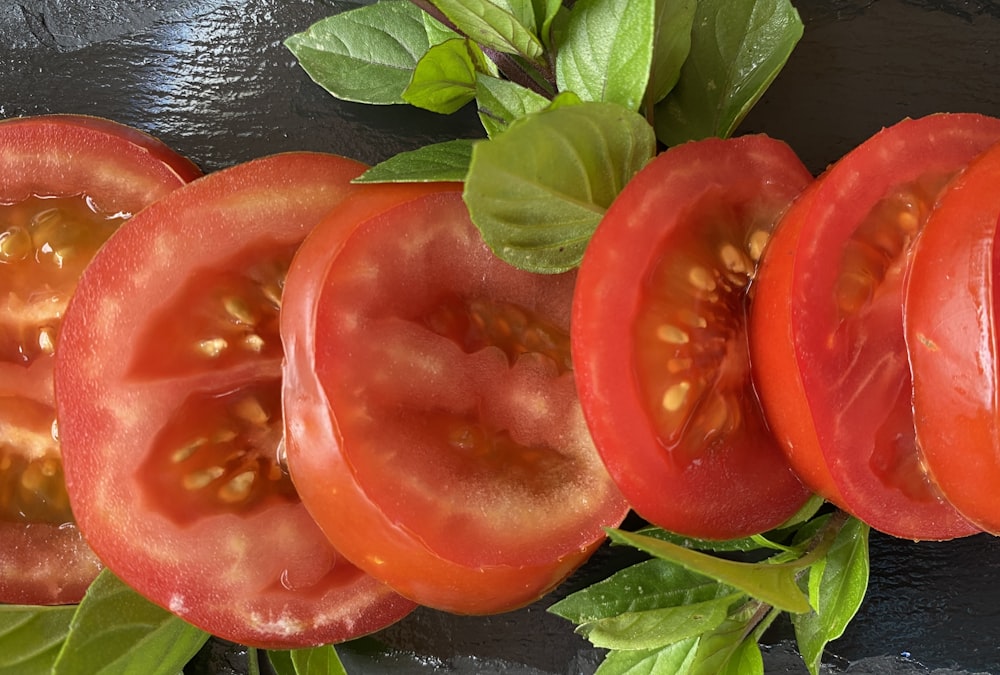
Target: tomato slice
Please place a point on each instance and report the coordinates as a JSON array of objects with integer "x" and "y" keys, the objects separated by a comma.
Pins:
[
  {"x": 434, "y": 431},
  {"x": 845, "y": 335},
  {"x": 951, "y": 322},
  {"x": 66, "y": 183},
  {"x": 659, "y": 338},
  {"x": 168, "y": 387}
]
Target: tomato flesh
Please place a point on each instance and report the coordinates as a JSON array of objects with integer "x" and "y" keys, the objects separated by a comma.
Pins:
[
  {"x": 434, "y": 428},
  {"x": 659, "y": 338},
  {"x": 66, "y": 184},
  {"x": 950, "y": 321},
  {"x": 846, "y": 337},
  {"x": 172, "y": 430}
]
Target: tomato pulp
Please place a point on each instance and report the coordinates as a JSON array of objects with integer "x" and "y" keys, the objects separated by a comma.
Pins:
[
  {"x": 434, "y": 431},
  {"x": 67, "y": 182},
  {"x": 843, "y": 285},
  {"x": 168, "y": 384},
  {"x": 660, "y": 343},
  {"x": 951, "y": 323}
]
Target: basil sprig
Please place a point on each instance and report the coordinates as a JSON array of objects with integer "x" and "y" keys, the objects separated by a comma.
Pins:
[{"x": 675, "y": 70}]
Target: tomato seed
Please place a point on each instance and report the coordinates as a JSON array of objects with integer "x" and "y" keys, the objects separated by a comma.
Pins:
[
  {"x": 672, "y": 334},
  {"x": 756, "y": 244},
  {"x": 701, "y": 279},
  {"x": 198, "y": 480},
  {"x": 15, "y": 244},
  {"x": 238, "y": 310},
  {"x": 238, "y": 488},
  {"x": 675, "y": 396},
  {"x": 212, "y": 347}
]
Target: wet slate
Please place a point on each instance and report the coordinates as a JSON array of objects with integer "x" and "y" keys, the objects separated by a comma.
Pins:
[{"x": 212, "y": 78}]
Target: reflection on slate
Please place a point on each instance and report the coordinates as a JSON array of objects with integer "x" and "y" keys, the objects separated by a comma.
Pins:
[{"x": 212, "y": 79}]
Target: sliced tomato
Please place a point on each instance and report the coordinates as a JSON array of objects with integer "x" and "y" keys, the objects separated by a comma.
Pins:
[
  {"x": 776, "y": 376},
  {"x": 434, "y": 431},
  {"x": 844, "y": 332},
  {"x": 66, "y": 183},
  {"x": 951, "y": 323},
  {"x": 168, "y": 388},
  {"x": 660, "y": 342}
]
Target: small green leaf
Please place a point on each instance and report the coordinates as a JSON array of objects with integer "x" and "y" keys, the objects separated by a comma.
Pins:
[
  {"x": 837, "y": 592},
  {"x": 447, "y": 161},
  {"x": 444, "y": 79},
  {"x": 500, "y": 102},
  {"x": 607, "y": 51},
  {"x": 658, "y": 627},
  {"x": 744, "y": 659},
  {"x": 281, "y": 661},
  {"x": 31, "y": 637},
  {"x": 671, "y": 46},
  {"x": 774, "y": 584},
  {"x": 725, "y": 649},
  {"x": 738, "y": 47},
  {"x": 318, "y": 661},
  {"x": 494, "y": 26},
  {"x": 674, "y": 659},
  {"x": 538, "y": 191},
  {"x": 115, "y": 631},
  {"x": 545, "y": 13},
  {"x": 366, "y": 54},
  {"x": 647, "y": 585}
]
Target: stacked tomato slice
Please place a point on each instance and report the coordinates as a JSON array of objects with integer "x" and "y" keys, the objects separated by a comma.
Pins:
[{"x": 66, "y": 183}]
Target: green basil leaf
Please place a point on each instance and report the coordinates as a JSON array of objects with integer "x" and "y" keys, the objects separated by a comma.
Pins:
[
  {"x": 437, "y": 32},
  {"x": 743, "y": 544},
  {"x": 674, "y": 659},
  {"x": 31, "y": 637},
  {"x": 522, "y": 10},
  {"x": 446, "y": 161},
  {"x": 493, "y": 26},
  {"x": 444, "y": 78},
  {"x": 839, "y": 591},
  {"x": 737, "y": 49},
  {"x": 317, "y": 661},
  {"x": 607, "y": 51},
  {"x": 538, "y": 191},
  {"x": 545, "y": 13},
  {"x": 744, "y": 659},
  {"x": 658, "y": 627},
  {"x": 366, "y": 54},
  {"x": 724, "y": 650},
  {"x": 774, "y": 584},
  {"x": 117, "y": 631},
  {"x": 500, "y": 102},
  {"x": 671, "y": 45},
  {"x": 647, "y": 585},
  {"x": 281, "y": 661}
]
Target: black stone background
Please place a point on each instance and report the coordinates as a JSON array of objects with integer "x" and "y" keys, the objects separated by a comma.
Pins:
[{"x": 212, "y": 79}]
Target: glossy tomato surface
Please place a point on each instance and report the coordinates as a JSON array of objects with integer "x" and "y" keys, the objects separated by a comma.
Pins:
[
  {"x": 66, "y": 183},
  {"x": 845, "y": 339},
  {"x": 951, "y": 328},
  {"x": 660, "y": 341},
  {"x": 434, "y": 430},
  {"x": 172, "y": 428}
]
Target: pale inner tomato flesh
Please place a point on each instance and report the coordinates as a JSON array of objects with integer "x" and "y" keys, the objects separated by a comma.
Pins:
[
  {"x": 45, "y": 243},
  {"x": 219, "y": 454},
  {"x": 690, "y": 345},
  {"x": 868, "y": 329}
]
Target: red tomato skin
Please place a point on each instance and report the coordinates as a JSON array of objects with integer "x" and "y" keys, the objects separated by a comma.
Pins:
[
  {"x": 744, "y": 485},
  {"x": 940, "y": 146},
  {"x": 314, "y": 443},
  {"x": 950, "y": 319},
  {"x": 775, "y": 371},
  {"x": 122, "y": 170},
  {"x": 268, "y": 578}
]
